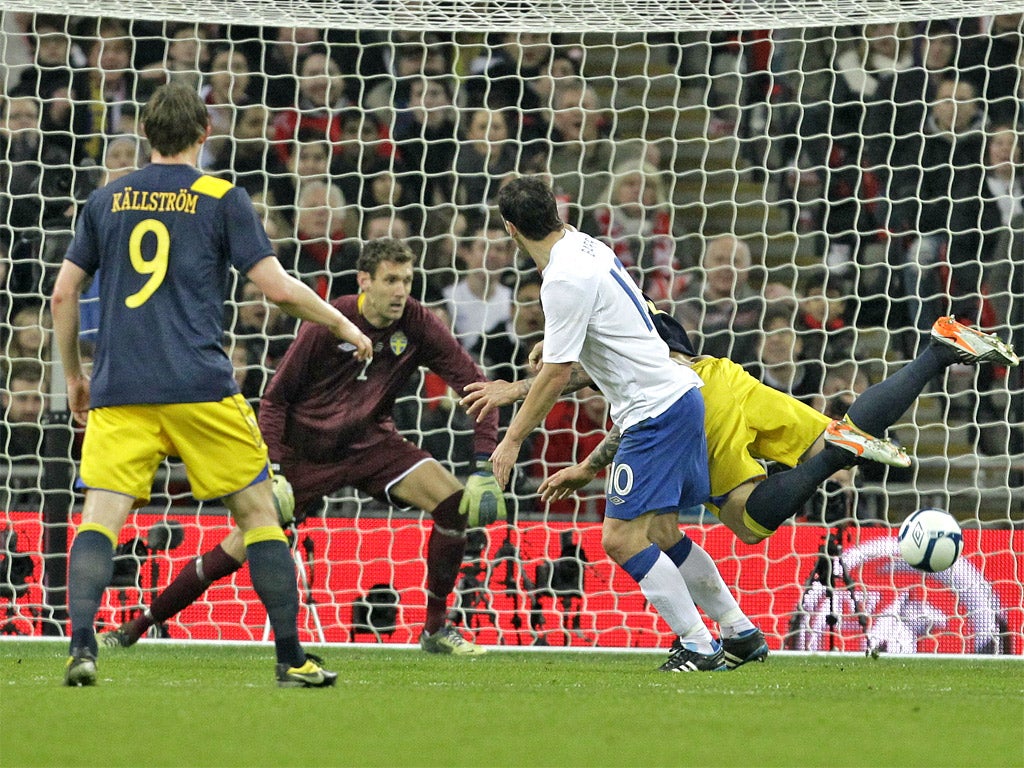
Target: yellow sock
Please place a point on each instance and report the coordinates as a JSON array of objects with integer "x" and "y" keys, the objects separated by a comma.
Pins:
[
  {"x": 264, "y": 533},
  {"x": 99, "y": 529}
]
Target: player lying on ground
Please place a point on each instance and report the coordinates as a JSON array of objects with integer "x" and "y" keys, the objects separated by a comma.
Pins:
[
  {"x": 327, "y": 421},
  {"x": 746, "y": 420},
  {"x": 164, "y": 239}
]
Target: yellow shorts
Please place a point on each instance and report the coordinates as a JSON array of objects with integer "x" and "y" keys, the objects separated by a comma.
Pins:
[
  {"x": 218, "y": 442},
  {"x": 746, "y": 420}
]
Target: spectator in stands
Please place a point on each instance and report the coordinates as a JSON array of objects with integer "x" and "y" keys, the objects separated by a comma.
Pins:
[
  {"x": 39, "y": 187},
  {"x": 897, "y": 117},
  {"x": 723, "y": 309},
  {"x": 21, "y": 172},
  {"x": 363, "y": 150},
  {"x": 248, "y": 375},
  {"x": 925, "y": 195},
  {"x": 988, "y": 229},
  {"x": 822, "y": 321},
  {"x": 398, "y": 190},
  {"x": 781, "y": 294},
  {"x": 636, "y": 222},
  {"x": 506, "y": 80},
  {"x": 226, "y": 90},
  {"x": 310, "y": 160},
  {"x": 506, "y": 348},
  {"x": 31, "y": 333},
  {"x": 710, "y": 65},
  {"x": 428, "y": 56},
  {"x": 19, "y": 52},
  {"x": 443, "y": 230},
  {"x": 990, "y": 61},
  {"x": 781, "y": 363},
  {"x": 563, "y": 65},
  {"x": 321, "y": 100},
  {"x": 832, "y": 143},
  {"x": 111, "y": 84},
  {"x": 260, "y": 327},
  {"x": 485, "y": 156},
  {"x": 573, "y": 428},
  {"x": 58, "y": 78},
  {"x": 186, "y": 59},
  {"x": 321, "y": 228},
  {"x": 251, "y": 162},
  {"x": 21, "y": 402},
  {"x": 426, "y": 139},
  {"x": 479, "y": 302},
  {"x": 581, "y": 157}
]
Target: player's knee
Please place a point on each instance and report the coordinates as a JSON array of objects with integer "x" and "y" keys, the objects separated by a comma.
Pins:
[
  {"x": 618, "y": 545},
  {"x": 447, "y": 515},
  {"x": 748, "y": 536}
]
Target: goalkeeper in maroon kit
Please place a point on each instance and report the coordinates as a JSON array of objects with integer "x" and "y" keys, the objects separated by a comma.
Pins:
[{"x": 326, "y": 418}]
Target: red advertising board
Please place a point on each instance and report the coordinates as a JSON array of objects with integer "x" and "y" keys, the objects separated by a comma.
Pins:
[{"x": 519, "y": 591}]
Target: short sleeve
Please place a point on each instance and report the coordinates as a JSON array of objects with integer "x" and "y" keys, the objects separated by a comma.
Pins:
[
  {"x": 567, "y": 309},
  {"x": 245, "y": 237}
]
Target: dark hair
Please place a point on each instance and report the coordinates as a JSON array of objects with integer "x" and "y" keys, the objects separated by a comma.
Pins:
[
  {"x": 529, "y": 204},
  {"x": 384, "y": 249},
  {"x": 174, "y": 118}
]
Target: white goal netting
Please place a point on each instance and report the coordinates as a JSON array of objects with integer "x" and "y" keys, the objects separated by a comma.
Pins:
[{"x": 806, "y": 186}]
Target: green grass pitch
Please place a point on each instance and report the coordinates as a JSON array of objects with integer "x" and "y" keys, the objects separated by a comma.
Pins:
[{"x": 180, "y": 704}]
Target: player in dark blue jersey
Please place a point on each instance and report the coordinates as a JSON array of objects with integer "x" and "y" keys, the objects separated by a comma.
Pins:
[
  {"x": 165, "y": 238},
  {"x": 327, "y": 420}
]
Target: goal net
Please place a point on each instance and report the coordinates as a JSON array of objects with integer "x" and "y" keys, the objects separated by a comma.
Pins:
[{"x": 806, "y": 186}]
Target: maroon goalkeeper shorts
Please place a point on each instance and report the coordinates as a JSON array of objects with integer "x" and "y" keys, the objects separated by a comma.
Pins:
[{"x": 374, "y": 461}]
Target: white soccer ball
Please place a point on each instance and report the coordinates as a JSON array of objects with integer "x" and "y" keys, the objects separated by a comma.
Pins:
[{"x": 931, "y": 540}]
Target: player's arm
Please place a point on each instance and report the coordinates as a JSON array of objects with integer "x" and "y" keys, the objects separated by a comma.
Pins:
[
  {"x": 485, "y": 396},
  {"x": 299, "y": 300},
  {"x": 566, "y": 481},
  {"x": 546, "y": 389},
  {"x": 64, "y": 306}
]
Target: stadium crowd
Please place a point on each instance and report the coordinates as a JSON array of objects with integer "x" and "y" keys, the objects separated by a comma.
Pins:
[{"x": 892, "y": 143}]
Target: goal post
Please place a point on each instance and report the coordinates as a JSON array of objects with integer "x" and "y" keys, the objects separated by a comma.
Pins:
[{"x": 852, "y": 150}]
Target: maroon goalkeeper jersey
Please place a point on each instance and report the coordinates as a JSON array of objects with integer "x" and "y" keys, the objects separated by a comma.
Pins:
[{"x": 322, "y": 399}]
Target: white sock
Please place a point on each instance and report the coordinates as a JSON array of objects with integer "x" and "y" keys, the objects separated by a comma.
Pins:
[
  {"x": 666, "y": 590},
  {"x": 708, "y": 590}
]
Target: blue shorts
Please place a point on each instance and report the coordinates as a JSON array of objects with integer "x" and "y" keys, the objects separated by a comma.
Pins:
[{"x": 662, "y": 463}]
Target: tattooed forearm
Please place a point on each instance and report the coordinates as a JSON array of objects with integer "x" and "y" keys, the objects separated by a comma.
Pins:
[
  {"x": 578, "y": 379},
  {"x": 603, "y": 455}
]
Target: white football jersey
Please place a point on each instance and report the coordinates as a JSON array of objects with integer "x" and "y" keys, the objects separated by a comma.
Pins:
[{"x": 595, "y": 314}]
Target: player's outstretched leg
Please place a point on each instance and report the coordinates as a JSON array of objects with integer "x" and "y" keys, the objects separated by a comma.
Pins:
[
  {"x": 973, "y": 346},
  {"x": 842, "y": 434},
  {"x": 187, "y": 587}
]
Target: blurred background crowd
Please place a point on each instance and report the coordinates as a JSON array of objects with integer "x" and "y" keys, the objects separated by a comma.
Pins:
[{"x": 806, "y": 202}]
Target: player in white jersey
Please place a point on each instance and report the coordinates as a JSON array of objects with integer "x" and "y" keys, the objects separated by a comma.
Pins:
[{"x": 595, "y": 315}]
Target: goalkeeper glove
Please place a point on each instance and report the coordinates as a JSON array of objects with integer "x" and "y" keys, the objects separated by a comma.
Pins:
[
  {"x": 483, "y": 501},
  {"x": 284, "y": 500}
]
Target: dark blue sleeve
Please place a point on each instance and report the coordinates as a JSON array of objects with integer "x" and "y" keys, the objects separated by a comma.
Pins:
[{"x": 245, "y": 238}]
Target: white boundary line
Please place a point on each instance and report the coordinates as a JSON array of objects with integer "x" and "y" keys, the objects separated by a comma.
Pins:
[{"x": 536, "y": 649}]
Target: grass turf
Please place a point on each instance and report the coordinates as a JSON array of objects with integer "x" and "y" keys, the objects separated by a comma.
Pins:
[{"x": 195, "y": 704}]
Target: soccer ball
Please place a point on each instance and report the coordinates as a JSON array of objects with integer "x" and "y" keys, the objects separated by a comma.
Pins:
[{"x": 930, "y": 540}]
